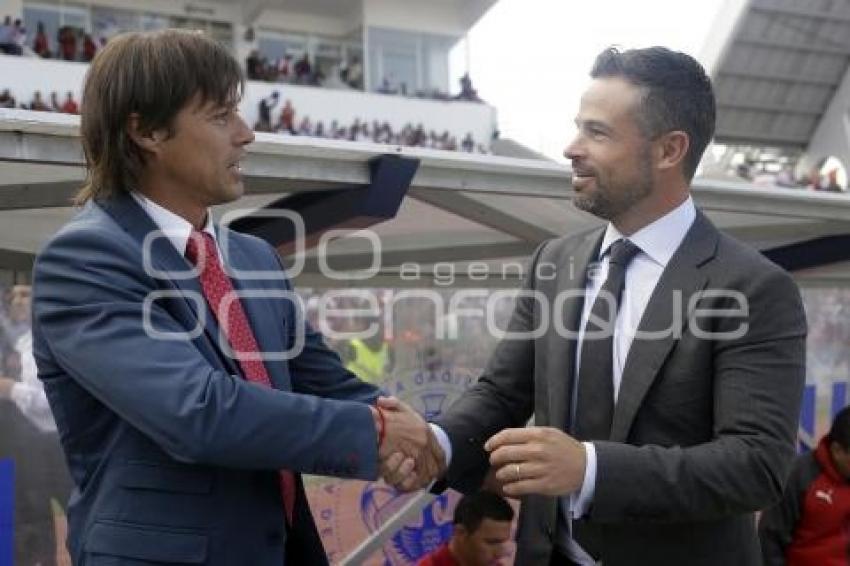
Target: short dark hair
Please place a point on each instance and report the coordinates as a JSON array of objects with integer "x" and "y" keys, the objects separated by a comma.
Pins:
[
  {"x": 152, "y": 74},
  {"x": 677, "y": 94},
  {"x": 472, "y": 509},
  {"x": 840, "y": 430}
]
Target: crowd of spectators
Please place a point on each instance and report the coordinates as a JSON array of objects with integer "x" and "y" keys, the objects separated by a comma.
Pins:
[
  {"x": 76, "y": 44},
  {"x": 70, "y": 44},
  {"x": 814, "y": 180},
  {"x": 302, "y": 71},
  {"x": 410, "y": 135},
  {"x": 67, "y": 106},
  {"x": 295, "y": 71},
  {"x": 286, "y": 123},
  {"x": 467, "y": 92},
  {"x": 416, "y": 336}
]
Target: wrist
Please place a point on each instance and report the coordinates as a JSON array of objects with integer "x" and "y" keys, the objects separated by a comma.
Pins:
[{"x": 380, "y": 424}]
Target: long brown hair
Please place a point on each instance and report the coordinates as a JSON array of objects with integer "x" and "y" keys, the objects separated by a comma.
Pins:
[{"x": 153, "y": 75}]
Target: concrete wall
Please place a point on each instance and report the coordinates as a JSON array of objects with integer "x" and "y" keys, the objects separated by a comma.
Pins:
[
  {"x": 723, "y": 31},
  {"x": 214, "y": 11},
  {"x": 317, "y": 103},
  {"x": 14, "y": 8},
  {"x": 435, "y": 16},
  {"x": 444, "y": 17},
  {"x": 309, "y": 23},
  {"x": 419, "y": 60},
  {"x": 24, "y": 75}
]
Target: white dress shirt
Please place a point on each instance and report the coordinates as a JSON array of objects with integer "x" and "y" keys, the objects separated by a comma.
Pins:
[
  {"x": 657, "y": 242},
  {"x": 28, "y": 394},
  {"x": 176, "y": 228}
]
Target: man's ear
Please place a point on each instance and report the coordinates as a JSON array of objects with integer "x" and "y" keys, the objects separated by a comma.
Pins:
[
  {"x": 672, "y": 148},
  {"x": 149, "y": 140}
]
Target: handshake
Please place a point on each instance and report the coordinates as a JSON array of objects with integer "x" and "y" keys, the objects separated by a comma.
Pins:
[
  {"x": 410, "y": 456},
  {"x": 523, "y": 461}
]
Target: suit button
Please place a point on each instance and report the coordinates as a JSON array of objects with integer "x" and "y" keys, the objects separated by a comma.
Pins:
[{"x": 274, "y": 538}]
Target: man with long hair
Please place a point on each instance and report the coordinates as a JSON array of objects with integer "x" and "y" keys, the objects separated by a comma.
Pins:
[{"x": 188, "y": 392}]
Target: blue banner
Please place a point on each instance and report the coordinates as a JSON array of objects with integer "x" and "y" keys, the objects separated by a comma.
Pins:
[
  {"x": 7, "y": 511},
  {"x": 808, "y": 434},
  {"x": 839, "y": 397}
]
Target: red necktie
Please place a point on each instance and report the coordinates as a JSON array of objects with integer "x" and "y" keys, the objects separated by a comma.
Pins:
[{"x": 217, "y": 288}]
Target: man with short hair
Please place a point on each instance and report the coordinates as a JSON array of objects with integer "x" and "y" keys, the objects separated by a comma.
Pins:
[
  {"x": 188, "y": 391},
  {"x": 482, "y": 531},
  {"x": 809, "y": 526},
  {"x": 663, "y": 361}
]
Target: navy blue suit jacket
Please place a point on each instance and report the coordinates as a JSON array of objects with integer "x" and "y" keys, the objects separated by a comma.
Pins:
[{"x": 173, "y": 455}]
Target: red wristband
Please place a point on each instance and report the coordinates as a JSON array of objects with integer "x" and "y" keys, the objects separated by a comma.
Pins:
[{"x": 382, "y": 428}]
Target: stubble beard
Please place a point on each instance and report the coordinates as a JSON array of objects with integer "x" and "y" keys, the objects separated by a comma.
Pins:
[{"x": 611, "y": 199}]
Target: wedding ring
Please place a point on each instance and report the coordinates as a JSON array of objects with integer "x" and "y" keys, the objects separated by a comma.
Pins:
[{"x": 516, "y": 470}]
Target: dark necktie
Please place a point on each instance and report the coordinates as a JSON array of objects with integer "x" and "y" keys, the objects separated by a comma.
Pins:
[
  {"x": 226, "y": 307},
  {"x": 595, "y": 402}
]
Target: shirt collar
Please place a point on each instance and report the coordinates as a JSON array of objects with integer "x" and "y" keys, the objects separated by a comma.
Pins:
[
  {"x": 176, "y": 228},
  {"x": 660, "y": 239}
]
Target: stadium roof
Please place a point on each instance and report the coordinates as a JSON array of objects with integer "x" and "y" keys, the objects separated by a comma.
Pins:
[
  {"x": 460, "y": 208},
  {"x": 468, "y": 11},
  {"x": 779, "y": 70}
]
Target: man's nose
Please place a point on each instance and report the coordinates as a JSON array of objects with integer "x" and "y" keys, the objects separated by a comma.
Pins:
[
  {"x": 246, "y": 134},
  {"x": 574, "y": 149}
]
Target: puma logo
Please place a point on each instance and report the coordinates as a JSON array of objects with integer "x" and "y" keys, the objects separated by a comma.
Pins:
[{"x": 825, "y": 495}]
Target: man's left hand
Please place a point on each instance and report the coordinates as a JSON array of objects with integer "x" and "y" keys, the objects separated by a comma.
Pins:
[{"x": 537, "y": 460}]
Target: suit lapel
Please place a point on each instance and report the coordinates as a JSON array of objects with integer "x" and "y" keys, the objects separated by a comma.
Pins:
[
  {"x": 663, "y": 320},
  {"x": 166, "y": 264},
  {"x": 574, "y": 262}
]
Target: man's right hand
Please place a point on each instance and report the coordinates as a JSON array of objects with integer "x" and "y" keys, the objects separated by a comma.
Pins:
[{"x": 410, "y": 455}]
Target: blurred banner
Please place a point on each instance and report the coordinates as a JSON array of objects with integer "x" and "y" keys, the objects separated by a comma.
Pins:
[
  {"x": 7, "y": 511},
  {"x": 813, "y": 412},
  {"x": 348, "y": 512}
]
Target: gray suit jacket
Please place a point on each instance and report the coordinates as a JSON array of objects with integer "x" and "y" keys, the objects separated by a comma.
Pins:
[{"x": 704, "y": 428}]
